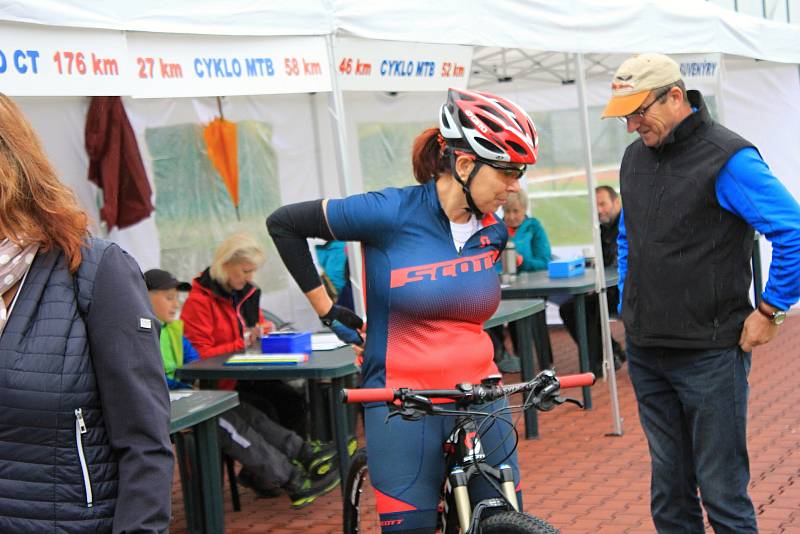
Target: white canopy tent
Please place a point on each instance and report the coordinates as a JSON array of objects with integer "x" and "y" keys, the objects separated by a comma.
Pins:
[
  {"x": 525, "y": 43},
  {"x": 607, "y": 27}
]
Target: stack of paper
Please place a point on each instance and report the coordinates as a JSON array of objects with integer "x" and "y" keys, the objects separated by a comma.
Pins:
[
  {"x": 267, "y": 359},
  {"x": 326, "y": 341},
  {"x": 177, "y": 395}
]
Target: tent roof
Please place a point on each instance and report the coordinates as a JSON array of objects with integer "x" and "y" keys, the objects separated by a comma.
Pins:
[
  {"x": 231, "y": 17},
  {"x": 586, "y": 26}
]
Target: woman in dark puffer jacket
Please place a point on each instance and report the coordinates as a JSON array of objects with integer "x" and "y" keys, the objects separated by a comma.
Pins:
[{"x": 84, "y": 408}]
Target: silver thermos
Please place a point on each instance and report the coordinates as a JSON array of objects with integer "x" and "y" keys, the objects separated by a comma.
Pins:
[{"x": 509, "y": 263}]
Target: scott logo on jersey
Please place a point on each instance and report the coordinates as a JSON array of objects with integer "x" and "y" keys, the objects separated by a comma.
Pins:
[{"x": 431, "y": 271}]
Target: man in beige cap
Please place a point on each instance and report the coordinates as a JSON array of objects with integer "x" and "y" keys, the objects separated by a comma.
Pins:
[{"x": 692, "y": 192}]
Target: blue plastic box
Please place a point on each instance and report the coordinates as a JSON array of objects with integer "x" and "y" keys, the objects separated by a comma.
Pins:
[
  {"x": 566, "y": 268},
  {"x": 288, "y": 342}
]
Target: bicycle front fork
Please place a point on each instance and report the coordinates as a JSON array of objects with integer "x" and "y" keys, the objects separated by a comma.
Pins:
[{"x": 459, "y": 480}]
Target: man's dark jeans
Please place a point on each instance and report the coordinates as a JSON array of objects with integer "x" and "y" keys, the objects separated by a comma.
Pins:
[{"x": 693, "y": 409}]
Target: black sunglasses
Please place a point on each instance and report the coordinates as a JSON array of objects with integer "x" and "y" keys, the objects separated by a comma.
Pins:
[{"x": 516, "y": 171}]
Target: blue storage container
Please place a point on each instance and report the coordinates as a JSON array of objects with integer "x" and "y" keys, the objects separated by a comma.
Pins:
[
  {"x": 566, "y": 268},
  {"x": 286, "y": 342}
]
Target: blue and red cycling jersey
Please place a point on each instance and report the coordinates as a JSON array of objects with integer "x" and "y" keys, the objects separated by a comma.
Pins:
[{"x": 426, "y": 301}]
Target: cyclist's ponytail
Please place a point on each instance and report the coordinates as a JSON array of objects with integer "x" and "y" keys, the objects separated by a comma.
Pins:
[{"x": 427, "y": 155}]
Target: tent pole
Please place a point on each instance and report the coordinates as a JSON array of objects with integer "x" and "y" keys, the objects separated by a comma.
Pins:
[
  {"x": 718, "y": 89},
  {"x": 336, "y": 111},
  {"x": 312, "y": 100},
  {"x": 600, "y": 280}
]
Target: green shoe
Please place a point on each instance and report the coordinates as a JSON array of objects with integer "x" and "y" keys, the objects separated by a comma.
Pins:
[
  {"x": 304, "y": 490},
  {"x": 352, "y": 446},
  {"x": 316, "y": 457}
]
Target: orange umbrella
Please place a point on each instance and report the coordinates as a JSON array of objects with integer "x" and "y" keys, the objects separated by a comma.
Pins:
[{"x": 220, "y": 137}]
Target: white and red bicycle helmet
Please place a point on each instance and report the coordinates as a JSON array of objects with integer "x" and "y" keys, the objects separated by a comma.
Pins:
[{"x": 490, "y": 127}]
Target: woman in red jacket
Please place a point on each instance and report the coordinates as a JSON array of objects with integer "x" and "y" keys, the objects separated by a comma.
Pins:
[
  {"x": 221, "y": 316},
  {"x": 223, "y": 306}
]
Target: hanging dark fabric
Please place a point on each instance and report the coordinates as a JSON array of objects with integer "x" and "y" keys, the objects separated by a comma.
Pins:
[{"x": 115, "y": 163}]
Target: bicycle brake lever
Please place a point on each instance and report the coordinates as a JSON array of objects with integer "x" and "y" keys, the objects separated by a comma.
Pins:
[
  {"x": 413, "y": 408},
  {"x": 409, "y": 414},
  {"x": 562, "y": 400}
]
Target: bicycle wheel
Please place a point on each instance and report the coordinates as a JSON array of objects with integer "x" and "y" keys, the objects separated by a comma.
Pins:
[
  {"x": 360, "y": 511},
  {"x": 516, "y": 523}
]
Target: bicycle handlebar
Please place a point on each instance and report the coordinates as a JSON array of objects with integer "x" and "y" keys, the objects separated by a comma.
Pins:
[
  {"x": 368, "y": 395},
  {"x": 576, "y": 381},
  {"x": 479, "y": 392}
]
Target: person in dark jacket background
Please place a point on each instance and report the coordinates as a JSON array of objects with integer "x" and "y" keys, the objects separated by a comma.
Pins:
[
  {"x": 84, "y": 408},
  {"x": 609, "y": 207}
]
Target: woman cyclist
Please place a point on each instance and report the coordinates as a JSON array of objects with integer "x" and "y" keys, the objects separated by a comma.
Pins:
[{"x": 429, "y": 254}]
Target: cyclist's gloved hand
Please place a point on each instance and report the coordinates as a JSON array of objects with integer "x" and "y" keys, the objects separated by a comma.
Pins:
[
  {"x": 345, "y": 324},
  {"x": 348, "y": 335}
]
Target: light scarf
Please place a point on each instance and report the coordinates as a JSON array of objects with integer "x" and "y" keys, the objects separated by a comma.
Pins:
[{"x": 14, "y": 263}]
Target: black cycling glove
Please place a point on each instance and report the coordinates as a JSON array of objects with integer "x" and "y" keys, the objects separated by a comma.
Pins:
[{"x": 345, "y": 324}]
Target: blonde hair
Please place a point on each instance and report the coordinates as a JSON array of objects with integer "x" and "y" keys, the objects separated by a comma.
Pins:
[
  {"x": 34, "y": 205},
  {"x": 520, "y": 198},
  {"x": 238, "y": 248}
]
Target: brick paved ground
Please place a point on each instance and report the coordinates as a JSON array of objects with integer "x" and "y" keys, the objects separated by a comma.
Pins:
[{"x": 583, "y": 481}]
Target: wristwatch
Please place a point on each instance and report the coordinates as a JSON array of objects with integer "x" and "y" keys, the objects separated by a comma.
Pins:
[{"x": 777, "y": 317}]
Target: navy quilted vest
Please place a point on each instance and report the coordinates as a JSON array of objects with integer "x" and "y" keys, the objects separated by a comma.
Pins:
[{"x": 57, "y": 471}]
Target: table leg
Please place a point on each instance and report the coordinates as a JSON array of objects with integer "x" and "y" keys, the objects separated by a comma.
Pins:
[
  {"x": 187, "y": 469},
  {"x": 211, "y": 475},
  {"x": 524, "y": 329},
  {"x": 320, "y": 419},
  {"x": 541, "y": 340},
  {"x": 341, "y": 433},
  {"x": 583, "y": 345}
]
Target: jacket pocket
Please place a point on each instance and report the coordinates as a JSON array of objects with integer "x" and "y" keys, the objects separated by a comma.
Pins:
[{"x": 80, "y": 430}]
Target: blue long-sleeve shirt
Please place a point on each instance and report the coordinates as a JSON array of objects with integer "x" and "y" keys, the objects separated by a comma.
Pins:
[{"x": 748, "y": 189}]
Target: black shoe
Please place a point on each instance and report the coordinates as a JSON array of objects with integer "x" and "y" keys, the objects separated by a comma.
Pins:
[
  {"x": 619, "y": 352},
  {"x": 316, "y": 458},
  {"x": 303, "y": 490},
  {"x": 509, "y": 364},
  {"x": 262, "y": 489}
]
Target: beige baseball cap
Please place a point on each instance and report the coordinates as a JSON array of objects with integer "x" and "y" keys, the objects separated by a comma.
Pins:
[{"x": 635, "y": 78}]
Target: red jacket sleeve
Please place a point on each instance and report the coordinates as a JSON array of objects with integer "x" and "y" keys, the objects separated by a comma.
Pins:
[{"x": 199, "y": 328}]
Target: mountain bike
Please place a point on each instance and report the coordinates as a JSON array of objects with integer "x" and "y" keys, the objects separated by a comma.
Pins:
[{"x": 464, "y": 454}]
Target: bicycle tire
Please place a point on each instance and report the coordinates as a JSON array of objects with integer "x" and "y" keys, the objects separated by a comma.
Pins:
[
  {"x": 516, "y": 523},
  {"x": 360, "y": 513}
]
